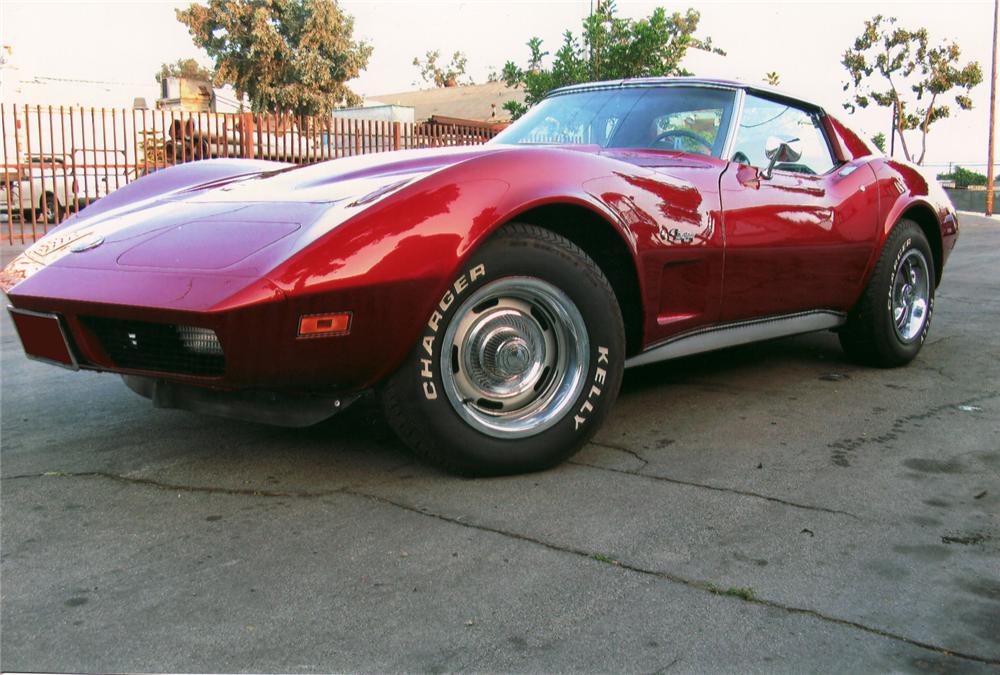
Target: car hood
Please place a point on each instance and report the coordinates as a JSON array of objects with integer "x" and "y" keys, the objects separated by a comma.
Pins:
[
  {"x": 333, "y": 181},
  {"x": 225, "y": 225}
]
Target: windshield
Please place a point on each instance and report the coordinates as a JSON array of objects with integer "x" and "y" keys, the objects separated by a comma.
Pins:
[{"x": 685, "y": 119}]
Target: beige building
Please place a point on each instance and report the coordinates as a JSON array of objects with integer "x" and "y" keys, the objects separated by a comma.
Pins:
[{"x": 476, "y": 102}]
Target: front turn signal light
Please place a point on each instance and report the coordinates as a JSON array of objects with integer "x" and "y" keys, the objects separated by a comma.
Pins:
[{"x": 324, "y": 325}]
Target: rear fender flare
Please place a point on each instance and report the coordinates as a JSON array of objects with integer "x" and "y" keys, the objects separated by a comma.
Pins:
[{"x": 925, "y": 212}]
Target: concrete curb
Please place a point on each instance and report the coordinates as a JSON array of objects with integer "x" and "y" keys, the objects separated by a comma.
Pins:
[{"x": 975, "y": 214}]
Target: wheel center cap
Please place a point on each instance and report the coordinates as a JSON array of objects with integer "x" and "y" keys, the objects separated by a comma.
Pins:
[{"x": 513, "y": 357}]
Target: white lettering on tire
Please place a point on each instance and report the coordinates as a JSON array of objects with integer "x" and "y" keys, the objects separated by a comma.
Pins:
[
  {"x": 460, "y": 285},
  {"x": 600, "y": 375},
  {"x": 895, "y": 267}
]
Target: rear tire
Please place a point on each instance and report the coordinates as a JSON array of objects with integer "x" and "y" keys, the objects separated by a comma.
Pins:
[
  {"x": 518, "y": 364},
  {"x": 48, "y": 209},
  {"x": 890, "y": 323}
]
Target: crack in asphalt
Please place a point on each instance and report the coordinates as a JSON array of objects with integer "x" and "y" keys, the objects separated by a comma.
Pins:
[
  {"x": 716, "y": 488},
  {"x": 667, "y": 667},
  {"x": 305, "y": 494},
  {"x": 937, "y": 370},
  {"x": 696, "y": 584},
  {"x": 627, "y": 451},
  {"x": 149, "y": 482},
  {"x": 897, "y": 427},
  {"x": 705, "y": 586}
]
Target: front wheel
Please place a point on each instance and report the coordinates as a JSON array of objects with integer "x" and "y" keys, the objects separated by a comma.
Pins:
[
  {"x": 517, "y": 365},
  {"x": 890, "y": 323}
]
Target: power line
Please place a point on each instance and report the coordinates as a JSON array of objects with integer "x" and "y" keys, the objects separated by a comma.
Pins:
[
  {"x": 226, "y": 99},
  {"x": 79, "y": 81}
]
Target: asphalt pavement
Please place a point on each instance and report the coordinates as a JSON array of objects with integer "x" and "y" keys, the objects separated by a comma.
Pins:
[{"x": 770, "y": 508}]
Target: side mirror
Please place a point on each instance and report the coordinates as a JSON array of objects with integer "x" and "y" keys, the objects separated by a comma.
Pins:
[{"x": 778, "y": 150}]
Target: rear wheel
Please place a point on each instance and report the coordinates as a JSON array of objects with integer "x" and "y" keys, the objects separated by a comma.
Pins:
[
  {"x": 518, "y": 364},
  {"x": 891, "y": 321},
  {"x": 48, "y": 209}
]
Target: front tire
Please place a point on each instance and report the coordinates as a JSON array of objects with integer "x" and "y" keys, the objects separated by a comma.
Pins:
[
  {"x": 517, "y": 365},
  {"x": 891, "y": 321}
]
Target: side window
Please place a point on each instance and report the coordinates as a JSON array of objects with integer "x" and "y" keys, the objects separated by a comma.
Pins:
[{"x": 763, "y": 118}]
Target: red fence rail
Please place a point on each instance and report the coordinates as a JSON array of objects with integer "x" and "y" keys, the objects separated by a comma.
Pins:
[{"x": 59, "y": 159}]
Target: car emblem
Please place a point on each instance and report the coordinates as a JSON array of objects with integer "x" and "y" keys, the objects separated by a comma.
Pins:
[{"x": 87, "y": 243}]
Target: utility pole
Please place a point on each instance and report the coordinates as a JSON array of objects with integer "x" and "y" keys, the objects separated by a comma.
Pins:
[
  {"x": 591, "y": 53},
  {"x": 993, "y": 114}
]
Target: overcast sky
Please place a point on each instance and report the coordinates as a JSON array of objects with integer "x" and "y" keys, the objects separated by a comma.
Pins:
[{"x": 118, "y": 46}]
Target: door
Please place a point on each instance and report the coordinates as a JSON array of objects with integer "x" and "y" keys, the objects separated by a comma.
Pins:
[
  {"x": 801, "y": 239},
  {"x": 676, "y": 136}
]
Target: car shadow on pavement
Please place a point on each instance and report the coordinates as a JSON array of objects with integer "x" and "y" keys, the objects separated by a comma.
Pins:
[{"x": 178, "y": 448}]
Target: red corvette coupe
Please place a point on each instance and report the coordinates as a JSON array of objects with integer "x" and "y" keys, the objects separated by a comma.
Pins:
[{"x": 493, "y": 295}]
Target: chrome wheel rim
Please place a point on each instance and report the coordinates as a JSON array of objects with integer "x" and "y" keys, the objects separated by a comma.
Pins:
[
  {"x": 513, "y": 357},
  {"x": 910, "y": 300}
]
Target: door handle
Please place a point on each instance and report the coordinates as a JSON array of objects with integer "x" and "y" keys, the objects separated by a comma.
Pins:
[{"x": 807, "y": 189}]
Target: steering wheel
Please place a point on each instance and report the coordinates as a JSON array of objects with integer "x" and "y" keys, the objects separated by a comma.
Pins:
[{"x": 683, "y": 133}]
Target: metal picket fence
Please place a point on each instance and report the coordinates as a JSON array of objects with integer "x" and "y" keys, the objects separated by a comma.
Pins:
[{"x": 59, "y": 159}]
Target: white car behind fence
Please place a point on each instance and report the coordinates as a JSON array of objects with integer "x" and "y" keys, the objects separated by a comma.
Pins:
[{"x": 48, "y": 188}]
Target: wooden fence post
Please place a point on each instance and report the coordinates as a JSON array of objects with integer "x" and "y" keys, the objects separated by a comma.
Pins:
[
  {"x": 246, "y": 135},
  {"x": 396, "y": 136}
]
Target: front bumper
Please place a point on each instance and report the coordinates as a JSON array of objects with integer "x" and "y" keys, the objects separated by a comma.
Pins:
[
  {"x": 47, "y": 338},
  {"x": 108, "y": 315},
  {"x": 44, "y": 338}
]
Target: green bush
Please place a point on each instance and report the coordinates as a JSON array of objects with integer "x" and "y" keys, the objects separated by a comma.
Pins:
[{"x": 964, "y": 177}]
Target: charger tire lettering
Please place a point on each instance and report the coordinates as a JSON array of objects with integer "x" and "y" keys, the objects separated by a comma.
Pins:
[{"x": 460, "y": 285}]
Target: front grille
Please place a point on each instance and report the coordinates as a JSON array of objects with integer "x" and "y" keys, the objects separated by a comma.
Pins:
[{"x": 186, "y": 350}]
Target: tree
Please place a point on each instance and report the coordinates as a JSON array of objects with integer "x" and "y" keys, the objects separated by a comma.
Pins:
[
  {"x": 535, "y": 62},
  {"x": 772, "y": 78},
  {"x": 609, "y": 47},
  {"x": 879, "y": 141},
  {"x": 284, "y": 55},
  {"x": 188, "y": 68},
  {"x": 887, "y": 63},
  {"x": 446, "y": 76},
  {"x": 963, "y": 177}
]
